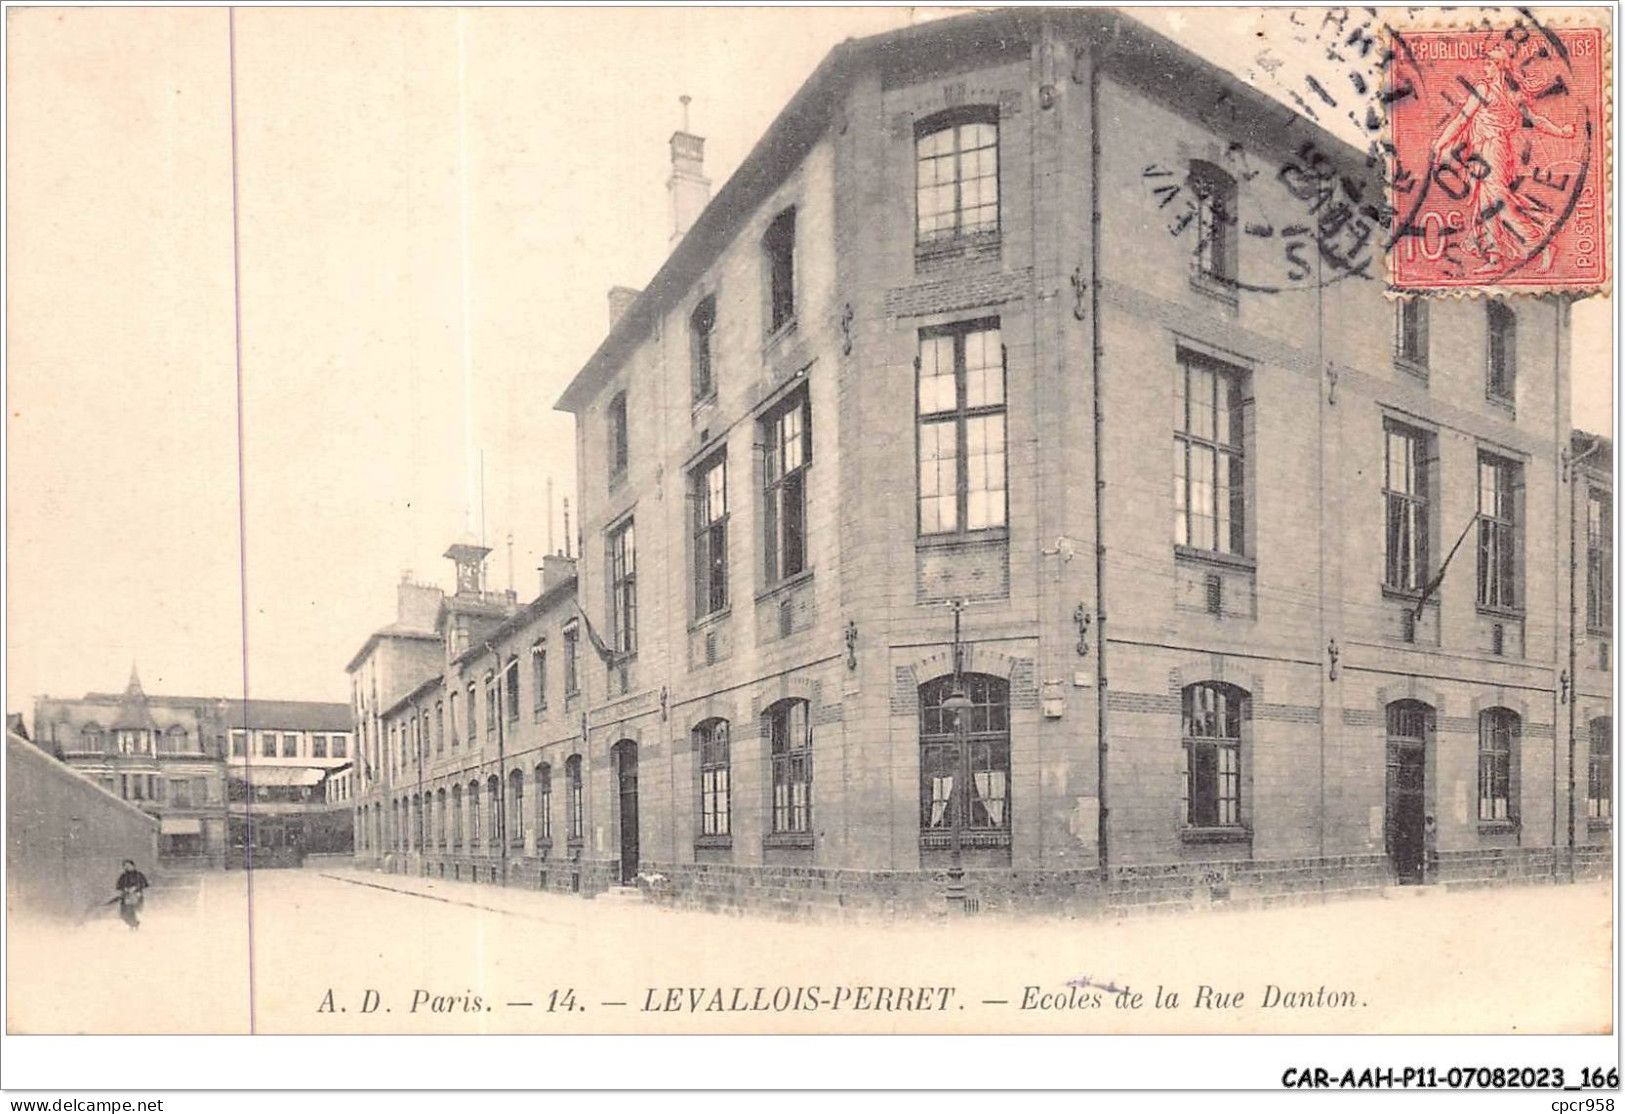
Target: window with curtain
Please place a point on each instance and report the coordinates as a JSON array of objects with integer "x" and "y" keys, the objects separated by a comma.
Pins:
[{"x": 987, "y": 736}]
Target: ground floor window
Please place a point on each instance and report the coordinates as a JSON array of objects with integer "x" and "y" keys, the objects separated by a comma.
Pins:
[
  {"x": 1210, "y": 755},
  {"x": 1497, "y": 764},
  {"x": 1600, "y": 772},
  {"x": 716, "y": 798},
  {"x": 984, "y": 725}
]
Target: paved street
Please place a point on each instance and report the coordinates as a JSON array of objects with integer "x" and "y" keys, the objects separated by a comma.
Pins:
[{"x": 1520, "y": 959}]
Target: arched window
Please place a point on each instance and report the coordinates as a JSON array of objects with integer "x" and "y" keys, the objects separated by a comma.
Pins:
[
  {"x": 789, "y": 730},
  {"x": 1600, "y": 769},
  {"x": 440, "y": 818},
  {"x": 473, "y": 815},
  {"x": 493, "y": 811},
  {"x": 516, "y": 806},
  {"x": 473, "y": 714},
  {"x": 439, "y": 726},
  {"x": 573, "y": 807},
  {"x": 1498, "y": 731},
  {"x": 544, "y": 804},
  {"x": 451, "y": 715},
  {"x": 510, "y": 686},
  {"x": 985, "y": 726},
  {"x": 956, "y": 184},
  {"x": 456, "y": 815},
  {"x": 1215, "y": 202},
  {"x": 91, "y": 739},
  {"x": 716, "y": 786},
  {"x": 1210, "y": 757}
]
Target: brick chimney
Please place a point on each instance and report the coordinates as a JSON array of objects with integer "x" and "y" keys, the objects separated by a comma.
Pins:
[
  {"x": 620, "y": 300},
  {"x": 417, "y": 605},
  {"x": 688, "y": 190},
  {"x": 556, "y": 569}
]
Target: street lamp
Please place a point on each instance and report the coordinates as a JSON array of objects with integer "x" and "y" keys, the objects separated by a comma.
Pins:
[{"x": 957, "y": 703}]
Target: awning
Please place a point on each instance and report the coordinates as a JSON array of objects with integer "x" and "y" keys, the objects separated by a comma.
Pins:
[
  {"x": 180, "y": 826},
  {"x": 278, "y": 775}
]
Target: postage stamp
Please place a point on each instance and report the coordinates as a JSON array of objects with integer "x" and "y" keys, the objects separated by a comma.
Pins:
[{"x": 1498, "y": 139}]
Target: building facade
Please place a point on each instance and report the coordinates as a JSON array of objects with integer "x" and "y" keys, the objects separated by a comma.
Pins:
[
  {"x": 1019, "y": 470},
  {"x": 187, "y": 761}
]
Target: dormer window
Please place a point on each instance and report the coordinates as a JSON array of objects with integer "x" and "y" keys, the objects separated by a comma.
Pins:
[
  {"x": 779, "y": 245},
  {"x": 956, "y": 158}
]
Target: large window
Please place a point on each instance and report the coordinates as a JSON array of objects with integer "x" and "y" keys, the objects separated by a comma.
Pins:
[
  {"x": 701, "y": 324},
  {"x": 623, "y": 588},
  {"x": 616, "y": 435},
  {"x": 961, "y": 416},
  {"x": 1501, "y": 379},
  {"x": 1210, "y": 765},
  {"x": 573, "y": 806},
  {"x": 456, "y": 815},
  {"x": 1411, "y": 331},
  {"x": 538, "y": 672},
  {"x": 516, "y": 808},
  {"x": 1600, "y": 769},
  {"x": 790, "y": 748},
  {"x": 544, "y": 803},
  {"x": 473, "y": 815},
  {"x": 987, "y": 734},
  {"x": 1498, "y": 731},
  {"x": 1497, "y": 532},
  {"x": 510, "y": 687},
  {"x": 451, "y": 710},
  {"x": 473, "y": 714},
  {"x": 1405, "y": 497},
  {"x": 716, "y": 789},
  {"x": 493, "y": 805},
  {"x": 439, "y": 726},
  {"x": 1209, "y": 465},
  {"x": 1599, "y": 561},
  {"x": 1215, "y": 200},
  {"x": 957, "y": 176},
  {"x": 493, "y": 698},
  {"x": 708, "y": 492},
  {"x": 440, "y": 818},
  {"x": 779, "y": 248},
  {"x": 787, "y": 454},
  {"x": 572, "y": 659}
]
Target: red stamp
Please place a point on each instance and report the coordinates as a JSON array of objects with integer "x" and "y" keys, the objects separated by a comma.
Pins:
[{"x": 1498, "y": 175}]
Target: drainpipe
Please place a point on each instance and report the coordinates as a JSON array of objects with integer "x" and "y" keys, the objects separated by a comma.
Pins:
[
  {"x": 1573, "y": 470},
  {"x": 502, "y": 765},
  {"x": 1102, "y": 746}
]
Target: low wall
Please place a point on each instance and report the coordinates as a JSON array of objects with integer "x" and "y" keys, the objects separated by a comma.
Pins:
[{"x": 66, "y": 836}]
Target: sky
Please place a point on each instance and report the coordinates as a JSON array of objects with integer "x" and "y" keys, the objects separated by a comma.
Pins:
[{"x": 419, "y": 191}]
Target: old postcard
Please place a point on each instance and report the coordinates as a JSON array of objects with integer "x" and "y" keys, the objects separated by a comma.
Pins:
[{"x": 812, "y": 521}]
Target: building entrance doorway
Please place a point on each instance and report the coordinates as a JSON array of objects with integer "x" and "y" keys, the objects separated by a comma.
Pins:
[
  {"x": 1404, "y": 831},
  {"x": 626, "y": 773}
]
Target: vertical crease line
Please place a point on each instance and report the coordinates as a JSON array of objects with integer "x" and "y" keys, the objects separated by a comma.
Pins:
[{"x": 242, "y": 507}]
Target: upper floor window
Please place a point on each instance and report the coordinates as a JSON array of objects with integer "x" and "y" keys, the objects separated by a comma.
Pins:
[
  {"x": 572, "y": 659},
  {"x": 787, "y": 454},
  {"x": 267, "y": 744},
  {"x": 1411, "y": 331},
  {"x": 538, "y": 672},
  {"x": 716, "y": 789},
  {"x": 779, "y": 246},
  {"x": 1215, "y": 200},
  {"x": 493, "y": 703},
  {"x": 1405, "y": 496},
  {"x": 439, "y": 727},
  {"x": 708, "y": 493},
  {"x": 1502, "y": 378},
  {"x": 986, "y": 731},
  {"x": 318, "y": 746},
  {"x": 473, "y": 714},
  {"x": 1498, "y": 731},
  {"x": 1600, "y": 769},
  {"x": 623, "y": 588},
  {"x": 1210, "y": 762},
  {"x": 957, "y": 176},
  {"x": 451, "y": 710},
  {"x": 619, "y": 448},
  {"x": 701, "y": 324},
  {"x": 962, "y": 428},
  {"x": 1599, "y": 561},
  {"x": 1497, "y": 531},
  {"x": 510, "y": 687},
  {"x": 239, "y": 744},
  {"x": 340, "y": 745},
  {"x": 1209, "y": 465},
  {"x": 790, "y": 751}
]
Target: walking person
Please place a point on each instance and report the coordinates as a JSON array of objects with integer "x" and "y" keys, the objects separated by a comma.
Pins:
[{"x": 132, "y": 890}]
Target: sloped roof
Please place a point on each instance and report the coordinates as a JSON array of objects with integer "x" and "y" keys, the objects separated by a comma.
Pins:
[{"x": 288, "y": 715}]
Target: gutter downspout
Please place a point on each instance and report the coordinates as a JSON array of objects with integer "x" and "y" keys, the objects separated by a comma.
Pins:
[
  {"x": 1573, "y": 470},
  {"x": 1102, "y": 744}
]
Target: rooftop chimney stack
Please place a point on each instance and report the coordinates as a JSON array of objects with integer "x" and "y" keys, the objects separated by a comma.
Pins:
[
  {"x": 620, "y": 300},
  {"x": 688, "y": 189}
]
